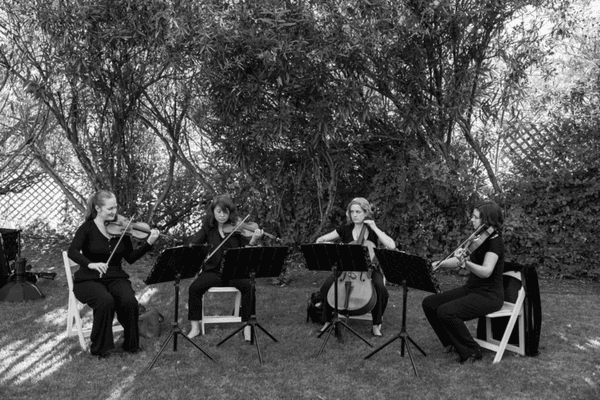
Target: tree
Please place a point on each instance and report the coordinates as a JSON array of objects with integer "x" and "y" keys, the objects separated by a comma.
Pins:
[{"x": 93, "y": 66}]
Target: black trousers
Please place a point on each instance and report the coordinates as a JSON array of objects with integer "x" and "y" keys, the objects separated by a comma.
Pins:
[
  {"x": 448, "y": 311},
  {"x": 209, "y": 279},
  {"x": 380, "y": 291},
  {"x": 107, "y": 297}
]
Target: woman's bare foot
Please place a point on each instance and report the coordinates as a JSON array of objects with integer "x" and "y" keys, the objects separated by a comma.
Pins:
[
  {"x": 325, "y": 326},
  {"x": 194, "y": 330},
  {"x": 376, "y": 331}
]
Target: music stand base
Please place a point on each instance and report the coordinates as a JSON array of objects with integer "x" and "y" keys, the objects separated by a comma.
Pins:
[
  {"x": 334, "y": 327},
  {"x": 405, "y": 338},
  {"x": 175, "y": 330},
  {"x": 403, "y": 335},
  {"x": 253, "y": 324}
]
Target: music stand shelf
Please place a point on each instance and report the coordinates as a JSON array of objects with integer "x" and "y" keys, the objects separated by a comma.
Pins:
[
  {"x": 173, "y": 265},
  {"x": 251, "y": 263},
  {"x": 336, "y": 258},
  {"x": 406, "y": 270}
]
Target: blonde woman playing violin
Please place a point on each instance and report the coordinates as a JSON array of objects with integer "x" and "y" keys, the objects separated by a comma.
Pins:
[
  {"x": 220, "y": 215},
  {"x": 100, "y": 281},
  {"x": 358, "y": 213},
  {"x": 482, "y": 294}
]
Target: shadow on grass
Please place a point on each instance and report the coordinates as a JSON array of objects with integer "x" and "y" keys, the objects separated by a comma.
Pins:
[{"x": 38, "y": 361}]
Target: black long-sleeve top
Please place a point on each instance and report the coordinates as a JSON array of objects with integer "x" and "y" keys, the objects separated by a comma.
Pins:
[
  {"x": 212, "y": 237},
  {"x": 89, "y": 245}
]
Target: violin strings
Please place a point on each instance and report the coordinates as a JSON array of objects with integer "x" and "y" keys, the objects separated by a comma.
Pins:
[{"x": 120, "y": 238}]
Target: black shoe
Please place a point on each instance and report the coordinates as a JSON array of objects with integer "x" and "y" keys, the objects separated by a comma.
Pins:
[
  {"x": 102, "y": 356},
  {"x": 139, "y": 349},
  {"x": 449, "y": 349},
  {"x": 471, "y": 359}
]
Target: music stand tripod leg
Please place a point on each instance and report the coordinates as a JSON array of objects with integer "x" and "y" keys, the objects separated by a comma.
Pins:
[
  {"x": 265, "y": 331},
  {"x": 252, "y": 323},
  {"x": 416, "y": 345},
  {"x": 175, "y": 330},
  {"x": 396, "y": 337},
  {"x": 412, "y": 361},
  {"x": 403, "y": 335},
  {"x": 329, "y": 329}
]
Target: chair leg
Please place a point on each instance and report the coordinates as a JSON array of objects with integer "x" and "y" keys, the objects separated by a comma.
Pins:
[
  {"x": 505, "y": 337},
  {"x": 73, "y": 314},
  {"x": 522, "y": 334},
  {"x": 70, "y": 318},
  {"x": 238, "y": 302},
  {"x": 202, "y": 318}
]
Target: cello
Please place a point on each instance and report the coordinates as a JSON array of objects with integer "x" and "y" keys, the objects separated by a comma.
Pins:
[{"x": 356, "y": 291}]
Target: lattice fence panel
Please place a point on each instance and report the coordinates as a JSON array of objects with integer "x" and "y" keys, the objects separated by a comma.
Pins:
[
  {"x": 531, "y": 143},
  {"x": 43, "y": 201}
]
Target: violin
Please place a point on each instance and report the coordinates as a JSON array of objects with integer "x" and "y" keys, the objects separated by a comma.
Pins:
[
  {"x": 356, "y": 291},
  {"x": 477, "y": 241},
  {"x": 122, "y": 226},
  {"x": 246, "y": 229},
  {"x": 471, "y": 244}
]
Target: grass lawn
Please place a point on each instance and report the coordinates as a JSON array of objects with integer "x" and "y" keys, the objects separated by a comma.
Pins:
[{"x": 38, "y": 361}]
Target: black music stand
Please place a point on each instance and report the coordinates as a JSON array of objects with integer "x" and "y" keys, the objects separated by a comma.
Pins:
[
  {"x": 336, "y": 257},
  {"x": 406, "y": 270},
  {"x": 174, "y": 264},
  {"x": 253, "y": 262}
]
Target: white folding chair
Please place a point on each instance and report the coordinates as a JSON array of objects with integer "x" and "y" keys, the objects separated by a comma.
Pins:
[
  {"x": 516, "y": 313},
  {"x": 222, "y": 319},
  {"x": 74, "y": 324}
]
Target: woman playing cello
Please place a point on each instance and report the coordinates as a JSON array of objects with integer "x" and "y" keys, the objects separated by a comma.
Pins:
[
  {"x": 101, "y": 282},
  {"x": 220, "y": 215},
  {"x": 358, "y": 213},
  {"x": 482, "y": 294}
]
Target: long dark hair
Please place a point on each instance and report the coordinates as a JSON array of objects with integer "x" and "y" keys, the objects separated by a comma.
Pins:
[
  {"x": 225, "y": 203},
  {"x": 490, "y": 214},
  {"x": 97, "y": 199}
]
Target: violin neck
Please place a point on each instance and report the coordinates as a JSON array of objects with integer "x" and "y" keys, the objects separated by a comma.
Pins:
[{"x": 270, "y": 236}]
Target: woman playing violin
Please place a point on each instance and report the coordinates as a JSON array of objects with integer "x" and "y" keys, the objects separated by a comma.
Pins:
[
  {"x": 358, "y": 214},
  {"x": 100, "y": 281},
  {"x": 482, "y": 294},
  {"x": 221, "y": 215}
]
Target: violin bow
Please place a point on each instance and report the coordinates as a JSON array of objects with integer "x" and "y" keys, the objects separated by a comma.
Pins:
[
  {"x": 224, "y": 240},
  {"x": 117, "y": 245}
]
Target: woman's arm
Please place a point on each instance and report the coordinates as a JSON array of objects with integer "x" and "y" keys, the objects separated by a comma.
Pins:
[
  {"x": 485, "y": 270},
  {"x": 384, "y": 239},
  {"x": 329, "y": 237},
  {"x": 77, "y": 243},
  {"x": 451, "y": 262}
]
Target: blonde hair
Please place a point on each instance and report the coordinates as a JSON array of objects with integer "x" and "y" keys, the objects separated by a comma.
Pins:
[
  {"x": 363, "y": 203},
  {"x": 97, "y": 199}
]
